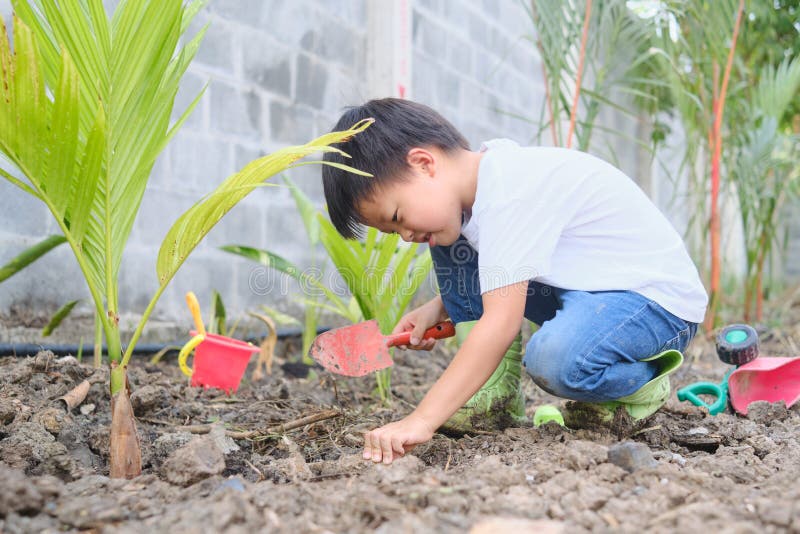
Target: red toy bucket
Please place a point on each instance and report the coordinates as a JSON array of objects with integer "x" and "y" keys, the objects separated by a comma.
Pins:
[{"x": 219, "y": 361}]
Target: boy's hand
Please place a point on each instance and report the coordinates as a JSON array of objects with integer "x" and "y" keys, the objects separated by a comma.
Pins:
[
  {"x": 392, "y": 441},
  {"x": 418, "y": 321}
]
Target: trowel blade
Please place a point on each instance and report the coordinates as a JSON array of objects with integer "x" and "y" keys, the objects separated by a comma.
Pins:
[{"x": 354, "y": 350}]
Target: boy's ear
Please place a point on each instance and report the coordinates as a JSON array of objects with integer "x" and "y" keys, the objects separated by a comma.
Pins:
[{"x": 422, "y": 160}]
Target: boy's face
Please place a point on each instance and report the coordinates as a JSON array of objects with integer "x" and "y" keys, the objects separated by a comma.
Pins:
[{"x": 423, "y": 207}]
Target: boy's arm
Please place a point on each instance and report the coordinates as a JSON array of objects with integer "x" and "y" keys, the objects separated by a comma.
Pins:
[{"x": 472, "y": 365}]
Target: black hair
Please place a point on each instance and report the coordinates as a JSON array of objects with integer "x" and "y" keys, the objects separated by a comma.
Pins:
[{"x": 380, "y": 150}]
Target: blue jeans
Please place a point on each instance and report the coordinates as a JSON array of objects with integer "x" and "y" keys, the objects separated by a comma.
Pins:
[{"x": 589, "y": 345}]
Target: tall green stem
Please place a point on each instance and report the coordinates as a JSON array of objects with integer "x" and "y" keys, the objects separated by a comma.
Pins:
[
  {"x": 140, "y": 327},
  {"x": 98, "y": 341}
]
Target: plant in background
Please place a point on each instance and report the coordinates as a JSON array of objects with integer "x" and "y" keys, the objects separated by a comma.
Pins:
[
  {"x": 770, "y": 42},
  {"x": 766, "y": 171},
  {"x": 85, "y": 107},
  {"x": 699, "y": 66},
  {"x": 772, "y": 36},
  {"x": 589, "y": 50},
  {"x": 218, "y": 317},
  {"x": 381, "y": 274},
  {"x": 28, "y": 256}
]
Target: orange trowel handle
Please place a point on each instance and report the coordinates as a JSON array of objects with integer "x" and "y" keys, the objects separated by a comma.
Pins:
[{"x": 437, "y": 331}]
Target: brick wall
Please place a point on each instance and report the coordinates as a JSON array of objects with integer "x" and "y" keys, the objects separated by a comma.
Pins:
[{"x": 278, "y": 73}]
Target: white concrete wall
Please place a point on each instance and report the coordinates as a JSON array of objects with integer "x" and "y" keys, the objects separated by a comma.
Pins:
[{"x": 279, "y": 73}]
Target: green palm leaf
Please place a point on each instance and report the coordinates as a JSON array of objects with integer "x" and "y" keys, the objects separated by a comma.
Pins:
[
  {"x": 30, "y": 255},
  {"x": 102, "y": 124},
  {"x": 58, "y": 318},
  {"x": 192, "y": 226}
]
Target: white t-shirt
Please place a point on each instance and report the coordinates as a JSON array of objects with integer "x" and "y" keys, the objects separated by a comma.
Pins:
[{"x": 570, "y": 220}]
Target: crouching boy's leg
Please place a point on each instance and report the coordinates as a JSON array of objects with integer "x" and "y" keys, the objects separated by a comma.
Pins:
[
  {"x": 499, "y": 402},
  {"x": 607, "y": 349}
]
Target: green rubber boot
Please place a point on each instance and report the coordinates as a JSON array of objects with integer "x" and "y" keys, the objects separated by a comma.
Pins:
[
  {"x": 638, "y": 405},
  {"x": 500, "y": 402}
]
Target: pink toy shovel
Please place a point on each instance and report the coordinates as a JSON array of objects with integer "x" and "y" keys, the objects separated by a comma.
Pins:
[
  {"x": 765, "y": 379},
  {"x": 360, "y": 349}
]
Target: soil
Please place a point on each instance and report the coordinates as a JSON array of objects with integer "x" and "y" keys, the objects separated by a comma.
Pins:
[{"x": 682, "y": 469}]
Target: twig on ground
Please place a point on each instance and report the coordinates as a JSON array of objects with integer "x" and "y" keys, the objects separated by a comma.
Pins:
[
  {"x": 256, "y": 469},
  {"x": 330, "y": 475},
  {"x": 247, "y": 434},
  {"x": 226, "y": 400},
  {"x": 648, "y": 429}
]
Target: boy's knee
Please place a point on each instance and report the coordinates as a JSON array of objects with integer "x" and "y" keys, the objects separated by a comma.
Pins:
[{"x": 551, "y": 362}]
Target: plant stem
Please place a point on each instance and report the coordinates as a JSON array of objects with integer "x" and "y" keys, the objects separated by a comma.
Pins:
[
  {"x": 578, "y": 78},
  {"x": 113, "y": 352},
  {"x": 548, "y": 97},
  {"x": 98, "y": 341},
  {"x": 716, "y": 147},
  {"x": 117, "y": 378},
  {"x": 146, "y": 315}
]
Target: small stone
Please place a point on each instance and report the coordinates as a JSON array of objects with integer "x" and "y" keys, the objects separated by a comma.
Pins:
[
  {"x": 86, "y": 409},
  {"x": 199, "y": 459},
  {"x": 147, "y": 398},
  {"x": 8, "y": 411},
  {"x": 223, "y": 442},
  {"x": 631, "y": 455},
  {"x": 165, "y": 445},
  {"x": 99, "y": 440},
  {"x": 67, "y": 361},
  {"x": 697, "y": 431},
  {"x": 43, "y": 360},
  {"x": 52, "y": 419},
  {"x": 678, "y": 459}
]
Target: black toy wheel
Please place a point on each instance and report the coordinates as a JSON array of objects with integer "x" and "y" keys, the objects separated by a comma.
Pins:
[{"x": 737, "y": 344}]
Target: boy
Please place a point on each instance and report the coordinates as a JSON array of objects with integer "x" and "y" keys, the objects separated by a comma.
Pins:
[{"x": 552, "y": 235}]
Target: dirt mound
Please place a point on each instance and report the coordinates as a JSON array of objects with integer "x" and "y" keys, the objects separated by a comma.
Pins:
[{"x": 681, "y": 470}]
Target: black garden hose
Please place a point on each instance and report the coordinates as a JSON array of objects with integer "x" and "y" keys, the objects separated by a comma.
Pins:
[{"x": 31, "y": 349}]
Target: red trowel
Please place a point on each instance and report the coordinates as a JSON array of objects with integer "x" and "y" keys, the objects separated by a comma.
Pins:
[{"x": 360, "y": 349}]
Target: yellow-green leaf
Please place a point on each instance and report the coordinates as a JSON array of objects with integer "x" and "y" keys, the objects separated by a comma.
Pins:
[{"x": 193, "y": 225}]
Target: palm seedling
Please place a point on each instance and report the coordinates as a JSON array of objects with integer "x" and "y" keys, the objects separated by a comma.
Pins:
[{"x": 85, "y": 107}]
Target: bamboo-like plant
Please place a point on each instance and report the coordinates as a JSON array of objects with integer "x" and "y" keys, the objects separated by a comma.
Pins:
[
  {"x": 85, "y": 107},
  {"x": 766, "y": 172},
  {"x": 381, "y": 274},
  {"x": 589, "y": 50},
  {"x": 700, "y": 66}
]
